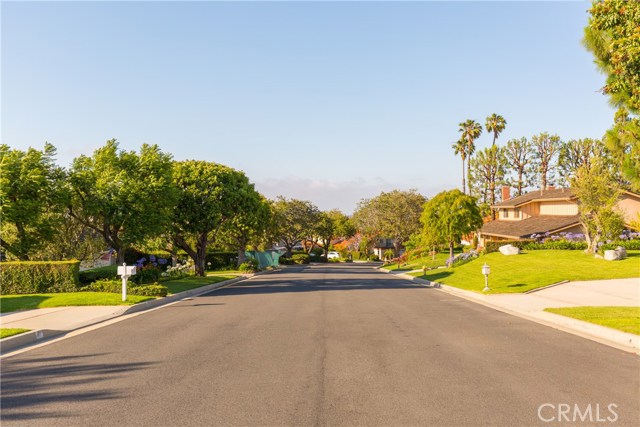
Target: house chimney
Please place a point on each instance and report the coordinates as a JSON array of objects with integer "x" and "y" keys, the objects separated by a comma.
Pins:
[{"x": 506, "y": 192}]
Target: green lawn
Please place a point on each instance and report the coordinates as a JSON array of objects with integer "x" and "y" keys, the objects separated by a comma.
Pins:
[
  {"x": 534, "y": 269},
  {"x": 441, "y": 258},
  {"x": 9, "y": 332},
  {"x": 28, "y": 301},
  {"x": 192, "y": 282},
  {"x": 626, "y": 319}
]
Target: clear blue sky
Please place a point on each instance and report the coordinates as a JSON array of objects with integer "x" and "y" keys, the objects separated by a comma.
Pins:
[{"x": 327, "y": 101}]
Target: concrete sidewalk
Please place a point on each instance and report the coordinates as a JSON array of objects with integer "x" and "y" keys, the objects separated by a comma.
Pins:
[
  {"x": 48, "y": 323},
  {"x": 616, "y": 292}
]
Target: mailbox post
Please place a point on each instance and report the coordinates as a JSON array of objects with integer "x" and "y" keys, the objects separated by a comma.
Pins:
[
  {"x": 126, "y": 271},
  {"x": 486, "y": 270}
]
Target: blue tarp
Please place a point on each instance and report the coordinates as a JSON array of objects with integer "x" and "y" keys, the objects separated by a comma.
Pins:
[{"x": 266, "y": 258}]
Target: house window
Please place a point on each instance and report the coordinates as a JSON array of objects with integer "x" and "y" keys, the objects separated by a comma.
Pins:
[
  {"x": 505, "y": 213},
  {"x": 516, "y": 213}
]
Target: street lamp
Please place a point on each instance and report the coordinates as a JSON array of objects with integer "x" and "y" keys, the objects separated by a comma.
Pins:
[{"x": 486, "y": 270}]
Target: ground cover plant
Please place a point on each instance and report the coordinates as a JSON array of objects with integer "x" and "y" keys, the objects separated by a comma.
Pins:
[
  {"x": 626, "y": 319},
  {"x": 533, "y": 269},
  {"x": 193, "y": 282}
]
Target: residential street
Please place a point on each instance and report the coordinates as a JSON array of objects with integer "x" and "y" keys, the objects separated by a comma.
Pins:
[{"x": 325, "y": 345}]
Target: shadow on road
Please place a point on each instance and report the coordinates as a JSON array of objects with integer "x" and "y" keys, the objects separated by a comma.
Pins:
[
  {"x": 29, "y": 383},
  {"x": 321, "y": 277}
]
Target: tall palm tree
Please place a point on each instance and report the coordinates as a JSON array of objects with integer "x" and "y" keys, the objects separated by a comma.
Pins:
[
  {"x": 496, "y": 124},
  {"x": 460, "y": 148},
  {"x": 470, "y": 130}
]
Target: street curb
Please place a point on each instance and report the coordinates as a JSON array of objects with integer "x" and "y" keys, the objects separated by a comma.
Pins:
[
  {"x": 632, "y": 346},
  {"x": 39, "y": 336},
  {"x": 562, "y": 282}
]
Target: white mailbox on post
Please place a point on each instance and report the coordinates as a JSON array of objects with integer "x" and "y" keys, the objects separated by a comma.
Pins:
[{"x": 126, "y": 271}]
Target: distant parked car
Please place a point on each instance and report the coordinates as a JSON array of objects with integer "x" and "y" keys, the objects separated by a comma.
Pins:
[{"x": 333, "y": 255}]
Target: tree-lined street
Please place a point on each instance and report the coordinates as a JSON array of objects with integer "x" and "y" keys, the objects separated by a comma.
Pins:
[{"x": 319, "y": 345}]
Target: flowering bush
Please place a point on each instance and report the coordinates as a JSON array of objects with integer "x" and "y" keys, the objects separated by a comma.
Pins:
[
  {"x": 179, "y": 271},
  {"x": 462, "y": 258}
]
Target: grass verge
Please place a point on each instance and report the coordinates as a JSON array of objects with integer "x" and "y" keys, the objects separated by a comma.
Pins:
[
  {"x": 192, "y": 282},
  {"x": 533, "y": 269},
  {"x": 30, "y": 301},
  {"x": 625, "y": 319},
  {"x": 9, "y": 332}
]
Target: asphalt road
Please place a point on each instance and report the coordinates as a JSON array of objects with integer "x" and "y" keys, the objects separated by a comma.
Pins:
[{"x": 322, "y": 346}]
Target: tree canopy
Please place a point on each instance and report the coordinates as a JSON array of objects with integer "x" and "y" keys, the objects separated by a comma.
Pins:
[
  {"x": 448, "y": 216},
  {"x": 123, "y": 195},
  {"x": 31, "y": 199}
]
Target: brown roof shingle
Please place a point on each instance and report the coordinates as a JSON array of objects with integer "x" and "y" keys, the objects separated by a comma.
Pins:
[
  {"x": 555, "y": 194},
  {"x": 529, "y": 226}
]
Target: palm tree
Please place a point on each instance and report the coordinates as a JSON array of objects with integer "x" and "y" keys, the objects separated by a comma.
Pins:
[
  {"x": 470, "y": 130},
  {"x": 496, "y": 124},
  {"x": 460, "y": 148}
]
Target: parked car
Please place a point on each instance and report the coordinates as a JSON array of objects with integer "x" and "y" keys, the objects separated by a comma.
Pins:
[{"x": 333, "y": 255}]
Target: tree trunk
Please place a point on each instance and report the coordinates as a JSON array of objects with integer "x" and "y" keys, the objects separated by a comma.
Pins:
[
  {"x": 469, "y": 174},
  {"x": 464, "y": 187},
  {"x": 241, "y": 252},
  {"x": 201, "y": 255},
  {"x": 119, "y": 256},
  {"x": 451, "y": 252}
]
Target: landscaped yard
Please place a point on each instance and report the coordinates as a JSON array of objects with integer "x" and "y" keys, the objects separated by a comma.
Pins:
[
  {"x": 416, "y": 264},
  {"x": 9, "y": 332},
  {"x": 626, "y": 319},
  {"x": 192, "y": 282},
  {"x": 533, "y": 269},
  {"x": 29, "y": 301}
]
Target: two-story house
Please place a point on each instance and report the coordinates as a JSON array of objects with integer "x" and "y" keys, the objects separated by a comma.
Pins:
[{"x": 545, "y": 211}]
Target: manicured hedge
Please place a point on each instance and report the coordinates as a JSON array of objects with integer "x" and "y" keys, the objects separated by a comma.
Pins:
[
  {"x": 90, "y": 276},
  {"x": 32, "y": 277},
  {"x": 115, "y": 286},
  {"x": 221, "y": 260}
]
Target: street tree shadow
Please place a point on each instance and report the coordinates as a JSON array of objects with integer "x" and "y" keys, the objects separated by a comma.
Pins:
[{"x": 33, "y": 383}]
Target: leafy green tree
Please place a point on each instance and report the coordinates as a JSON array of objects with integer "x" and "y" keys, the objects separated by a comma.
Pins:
[
  {"x": 612, "y": 36},
  {"x": 31, "y": 199},
  {"x": 212, "y": 198},
  {"x": 460, "y": 148},
  {"x": 449, "y": 216},
  {"x": 519, "y": 153},
  {"x": 250, "y": 223},
  {"x": 125, "y": 196},
  {"x": 489, "y": 170},
  {"x": 597, "y": 194},
  {"x": 545, "y": 152},
  {"x": 470, "y": 131},
  {"x": 394, "y": 215},
  {"x": 73, "y": 240},
  {"x": 495, "y": 124},
  {"x": 623, "y": 142},
  {"x": 293, "y": 221}
]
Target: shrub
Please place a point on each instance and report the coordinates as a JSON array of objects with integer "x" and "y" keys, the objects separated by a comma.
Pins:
[
  {"x": 285, "y": 261},
  {"x": 146, "y": 274},
  {"x": 627, "y": 244},
  {"x": 249, "y": 265},
  {"x": 31, "y": 277},
  {"x": 374, "y": 257},
  {"x": 178, "y": 272},
  {"x": 89, "y": 276},
  {"x": 556, "y": 245},
  {"x": 115, "y": 287},
  {"x": 300, "y": 258},
  {"x": 132, "y": 255}
]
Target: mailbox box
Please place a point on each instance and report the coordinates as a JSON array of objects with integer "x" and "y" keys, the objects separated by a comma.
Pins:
[{"x": 126, "y": 270}]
